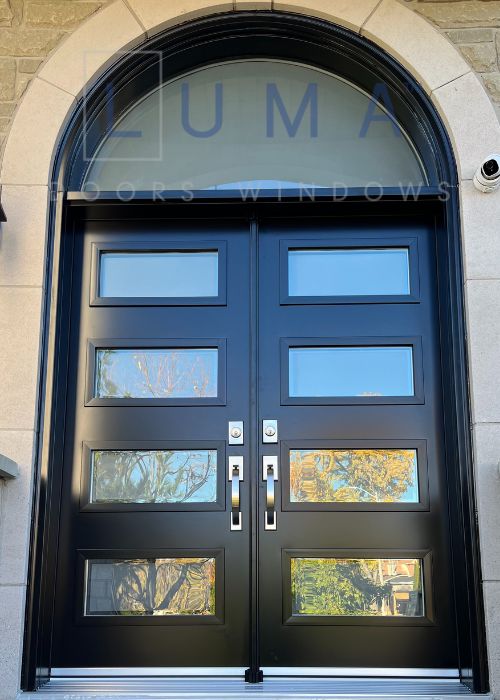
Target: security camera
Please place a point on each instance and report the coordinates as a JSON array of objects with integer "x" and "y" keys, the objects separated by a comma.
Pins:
[{"x": 487, "y": 176}]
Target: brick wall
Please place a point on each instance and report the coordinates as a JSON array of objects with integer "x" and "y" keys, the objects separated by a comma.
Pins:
[{"x": 30, "y": 29}]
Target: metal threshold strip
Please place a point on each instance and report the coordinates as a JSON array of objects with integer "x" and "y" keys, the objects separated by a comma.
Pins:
[{"x": 227, "y": 688}]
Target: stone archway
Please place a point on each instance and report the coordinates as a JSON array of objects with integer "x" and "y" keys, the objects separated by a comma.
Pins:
[{"x": 27, "y": 166}]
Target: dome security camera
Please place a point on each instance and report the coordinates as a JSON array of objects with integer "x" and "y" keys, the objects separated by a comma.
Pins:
[{"x": 487, "y": 176}]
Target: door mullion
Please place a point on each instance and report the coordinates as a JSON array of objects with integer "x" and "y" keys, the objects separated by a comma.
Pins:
[{"x": 253, "y": 674}]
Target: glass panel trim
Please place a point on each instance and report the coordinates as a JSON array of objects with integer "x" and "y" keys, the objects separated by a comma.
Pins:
[
  {"x": 156, "y": 373},
  {"x": 153, "y": 476},
  {"x": 316, "y": 272},
  {"x": 150, "y": 587},
  {"x": 354, "y": 475},
  {"x": 361, "y": 587},
  {"x": 159, "y": 274},
  {"x": 345, "y": 371}
]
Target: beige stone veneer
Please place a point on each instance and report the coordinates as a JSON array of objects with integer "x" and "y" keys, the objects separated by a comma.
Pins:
[{"x": 461, "y": 100}]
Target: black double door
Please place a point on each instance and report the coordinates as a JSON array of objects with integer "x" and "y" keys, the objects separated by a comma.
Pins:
[{"x": 253, "y": 469}]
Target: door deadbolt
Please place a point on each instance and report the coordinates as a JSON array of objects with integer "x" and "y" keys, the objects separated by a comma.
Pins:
[
  {"x": 235, "y": 432},
  {"x": 269, "y": 430}
]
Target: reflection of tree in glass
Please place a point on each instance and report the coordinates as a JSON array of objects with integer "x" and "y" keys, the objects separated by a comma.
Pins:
[
  {"x": 181, "y": 586},
  {"x": 377, "y": 476},
  {"x": 148, "y": 476},
  {"x": 380, "y": 587},
  {"x": 153, "y": 373}
]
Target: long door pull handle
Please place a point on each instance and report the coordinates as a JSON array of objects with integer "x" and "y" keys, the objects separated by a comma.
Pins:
[
  {"x": 270, "y": 476},
  {"x": 235, "y": 476}
]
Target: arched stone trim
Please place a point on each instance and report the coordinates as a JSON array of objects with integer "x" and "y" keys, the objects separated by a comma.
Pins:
[
  {"x": 456, "y": 91},
  {"x": 26, "y": 176}
]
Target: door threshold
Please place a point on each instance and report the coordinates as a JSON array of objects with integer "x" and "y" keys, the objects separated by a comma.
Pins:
[{"x": 237, "y": 689}]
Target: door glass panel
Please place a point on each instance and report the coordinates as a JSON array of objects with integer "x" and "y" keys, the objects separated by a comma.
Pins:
[
  {"x": 156, "y": 373},
  {"x": 357, "y": 587},
  {"x": 154, "y": 476},
  {"x": 254, "y": 123},
  {"x": 176, "y": 586},
  {"x": 344, "y": 272},
  {"x": 159, "y": 274},
  {"x": 351, "y": 371},
  {"x": 353, "y": 476}
]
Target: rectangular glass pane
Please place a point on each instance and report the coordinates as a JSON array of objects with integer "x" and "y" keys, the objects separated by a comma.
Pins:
[
  {"x": 159, "y": 274},
  {"x": 154, "y": 476},
  {"x": 156, "y": 373},
  {"x": 353, "y": 476},
  {"x": 351, "y": 371},
  {"x": 357, "y": 587},
  {"x": 177, "y": 586},
  {"x": 348, "y": 272}
]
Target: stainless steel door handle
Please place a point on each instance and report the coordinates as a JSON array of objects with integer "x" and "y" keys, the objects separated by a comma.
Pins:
[
  {"x": 235, "y": 476},
  {"x": 270, "y": 476}
]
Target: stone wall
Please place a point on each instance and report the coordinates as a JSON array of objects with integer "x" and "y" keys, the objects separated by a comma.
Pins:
[{"x": 30, "y": 29}]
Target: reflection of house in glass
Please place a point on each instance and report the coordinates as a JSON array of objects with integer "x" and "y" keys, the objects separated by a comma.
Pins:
[
  {"x": 356, "y": 587},
  {"x": 404, "y": 578}
]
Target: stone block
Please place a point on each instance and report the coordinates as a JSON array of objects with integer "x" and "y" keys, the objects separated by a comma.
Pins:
[
  {"x": 482, "y": 57},
  {"x": 28, "y": 65},
  {"x": 481, "y": 232},
  {"x": 465, "y": 13},
  {"x": 28, "y": 153},
  {"x": 474, "y": 35},
  {"x": 12, "y": 599},
  {"x": 58, "y": 14},
  {"x": 20, "y": 324},
  {"x": 472, "y": 122},
  {"x": 487, "y": 460},
  {"x": 91, "y": 47},
  {"x": 7, "y": 108},
  {"x": 344, "y": 12},
  {"x": 15, "y": 517},
  {"x": 404, "y": 34},
  {"x": 22, "y": 236},
  {"x": 7, "y": 78},
  {"x": 156, "y": 16},
  {"x": 483, "y": 317},
  {"x": 6, "y": 15},
  {"x": 492, "y": 84},
  {"x": 28, "y": 42}
]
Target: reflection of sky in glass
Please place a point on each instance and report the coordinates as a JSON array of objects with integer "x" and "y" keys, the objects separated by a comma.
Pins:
[
  {"x": 154, "y": 476},
  {"x": 156, "y": 373},
  {"x": 351, "y": 371},
  {"x": 354, "y": 476},
  {"x": 172, "y": 274},
  {"x": 329, "y": 272}
]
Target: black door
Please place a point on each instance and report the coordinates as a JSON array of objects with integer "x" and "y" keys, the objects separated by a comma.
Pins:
[
  {"x": 357, "y": 571},
  {"x": 196, "y": 346},
  {"x": 145, "y": 540}
]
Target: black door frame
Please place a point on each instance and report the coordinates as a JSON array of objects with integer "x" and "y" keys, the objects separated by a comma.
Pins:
[{"x": 337, "y": 49}]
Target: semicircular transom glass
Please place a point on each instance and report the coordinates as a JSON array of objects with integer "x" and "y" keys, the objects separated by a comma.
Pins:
[{"x": 260, "y": 124}]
